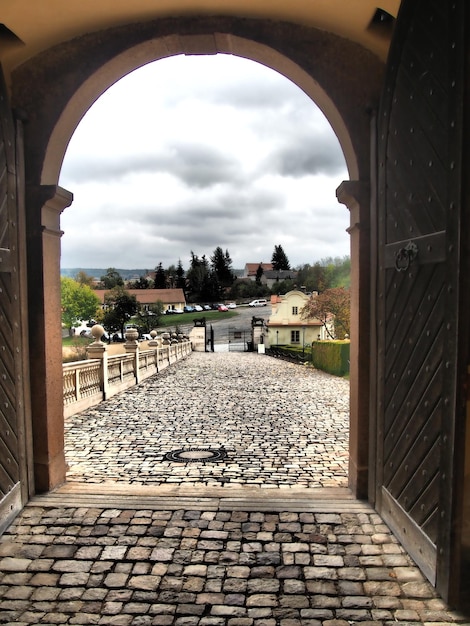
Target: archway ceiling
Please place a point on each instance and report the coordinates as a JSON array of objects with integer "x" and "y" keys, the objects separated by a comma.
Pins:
[{"x": 31, "y": 27}]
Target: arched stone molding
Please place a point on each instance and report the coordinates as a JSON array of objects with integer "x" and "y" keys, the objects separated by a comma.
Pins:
[
  {"x": 153, "y": 50},
  {"x": 56, "y": 88}
]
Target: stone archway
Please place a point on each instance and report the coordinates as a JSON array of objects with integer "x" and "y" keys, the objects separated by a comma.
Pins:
[{"x": 55, "y": 89}]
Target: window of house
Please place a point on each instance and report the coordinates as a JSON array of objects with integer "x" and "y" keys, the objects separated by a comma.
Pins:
[
  {"x": 295, "y": 310},
  {"x": 295, "y": 336}
]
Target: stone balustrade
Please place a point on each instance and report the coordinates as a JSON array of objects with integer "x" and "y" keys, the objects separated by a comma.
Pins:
[{"x": 87, "y": 383}]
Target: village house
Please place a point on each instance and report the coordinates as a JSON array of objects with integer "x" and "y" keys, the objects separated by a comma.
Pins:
[
  {"x": 251, "y": 269},
  {"x": 286, "y": 326},
  {"x": 270, "y": 276},
  {"x": 171, "y": 298}
]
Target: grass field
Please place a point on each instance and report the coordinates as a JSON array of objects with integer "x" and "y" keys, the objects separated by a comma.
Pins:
[{"x": 165, "y": 322}]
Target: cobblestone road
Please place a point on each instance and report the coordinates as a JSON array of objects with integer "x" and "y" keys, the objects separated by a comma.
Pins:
[
  {"x": 128, "y": 560},
  {"x": 209, "y": 568},
  {"x": 280, "y": 424}
]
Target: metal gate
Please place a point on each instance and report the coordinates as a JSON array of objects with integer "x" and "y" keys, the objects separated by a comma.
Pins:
[
  {"x": 418, "y": 284},
  {"x": 239, "y": 339},
  {"x": 13, "y": 475}
]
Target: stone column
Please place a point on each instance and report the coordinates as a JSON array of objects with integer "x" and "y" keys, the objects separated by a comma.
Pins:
[
  {"x": 132, "y": 347},
  {"x": 356, "y": 196},
  {"x": 44, "y": 204},
  {"x": 99, "y": 350}
]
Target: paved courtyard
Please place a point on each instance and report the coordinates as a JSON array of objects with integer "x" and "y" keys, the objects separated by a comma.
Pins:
[
  {"x": 279, "y": 424},
  {"x": 273, "y": 538}
]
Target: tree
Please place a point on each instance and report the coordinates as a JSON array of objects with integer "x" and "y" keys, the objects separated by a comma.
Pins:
[
  {"x": 283, "y": 286},
  {"x": 221, "y": 264},
  {"x": 84, "y": 279},
  {"x": 141, "y": 283},
  {"x": 333, "y": 309},
  {"x": 122, "y": 306},
  {"x": 78, "y": 302},
  {"x": 149, "y": 318},
  {"x": 259, "y": 274},
  {"x": 180, "y": 280},
  {"x": 279, "y": 259},
  {"x": 160, "y": 277},
  {"x": 325, "y": 274},
  {"x": 112, "y": 279}
]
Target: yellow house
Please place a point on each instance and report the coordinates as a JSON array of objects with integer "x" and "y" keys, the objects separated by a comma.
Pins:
[{"x": 286, "y": 326}]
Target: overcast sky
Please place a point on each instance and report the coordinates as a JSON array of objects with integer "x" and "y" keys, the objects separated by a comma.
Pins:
[{"x": 190, "y": 153}]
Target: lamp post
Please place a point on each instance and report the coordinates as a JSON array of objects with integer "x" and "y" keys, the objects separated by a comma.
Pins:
[
  {"x": 277, "y": 337},
  {"x": 303, "y": 341}
]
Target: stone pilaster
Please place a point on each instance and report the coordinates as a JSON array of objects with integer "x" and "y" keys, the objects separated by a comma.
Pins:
[
  {"x": 44, "y": 204},
  {"x": 356, "y": 196}
]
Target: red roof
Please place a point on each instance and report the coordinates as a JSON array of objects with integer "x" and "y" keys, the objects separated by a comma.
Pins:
[
  {"x": 150, "y": 296},
  {"x": 252, "y": 268}
]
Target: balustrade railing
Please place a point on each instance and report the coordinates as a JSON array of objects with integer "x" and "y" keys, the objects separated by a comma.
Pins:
[{"x": 87, "y": 383}]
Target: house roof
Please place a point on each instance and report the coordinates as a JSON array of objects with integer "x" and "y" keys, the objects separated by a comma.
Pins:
[
  {"x": 252, "y": 268},
  {"x": 150, "y": 296}
]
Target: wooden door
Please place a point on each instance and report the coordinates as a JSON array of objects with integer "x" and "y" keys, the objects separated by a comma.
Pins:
[
  {"x": 419, "y": 151},
  {"x": 13, "y": 473}
]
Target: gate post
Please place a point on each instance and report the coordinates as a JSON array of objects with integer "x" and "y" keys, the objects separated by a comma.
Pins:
[{"x": 356, "y": 196}]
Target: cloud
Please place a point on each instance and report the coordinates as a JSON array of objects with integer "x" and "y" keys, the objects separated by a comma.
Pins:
[
  {"x": 194, "y": 165},
  {"x": 191, "y": 153}
]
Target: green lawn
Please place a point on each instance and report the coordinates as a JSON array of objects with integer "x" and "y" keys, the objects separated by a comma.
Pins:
[
  {"x": 170, "y": 321},
  {"x": 166, "y": 321},
  {"x": 75, "y": 341}
]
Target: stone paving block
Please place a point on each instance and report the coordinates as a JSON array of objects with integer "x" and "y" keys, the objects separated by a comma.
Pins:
[{"x": 67, "y": 564}]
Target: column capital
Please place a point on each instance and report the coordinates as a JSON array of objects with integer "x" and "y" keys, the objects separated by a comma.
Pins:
[
  {"x": 355, "y": 195},
  {"x": 50, "y": 200}
]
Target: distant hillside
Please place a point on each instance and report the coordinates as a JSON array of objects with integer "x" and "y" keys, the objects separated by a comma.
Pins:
[{"x": 98, "y": 272}]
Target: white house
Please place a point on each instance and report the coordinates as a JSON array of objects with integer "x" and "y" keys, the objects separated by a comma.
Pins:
[{"x": 286, "y": 326}]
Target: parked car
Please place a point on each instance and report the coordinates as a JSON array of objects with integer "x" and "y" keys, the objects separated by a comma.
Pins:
[
  {"x": 189, "y": 309},
  {"x": 222, "y": 307},
  {"x": 232, "y": 305},
  {"x": 260, "y": 302},
  {"x": 206, "y": 307},
  {"x": 198, "y": 308}
]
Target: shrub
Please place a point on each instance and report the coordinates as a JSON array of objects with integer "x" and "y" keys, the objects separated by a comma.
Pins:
[{"x": 331, "y": 356}]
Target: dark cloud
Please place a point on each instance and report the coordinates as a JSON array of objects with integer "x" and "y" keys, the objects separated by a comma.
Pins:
[
  {"x": 197, "y": 166},
  {"x": 306, "y": 160}
]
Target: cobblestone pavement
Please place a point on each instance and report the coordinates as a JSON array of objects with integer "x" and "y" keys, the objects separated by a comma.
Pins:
[
  {"x": 280, "y": 424},
  {"x": 190, "y": 567},
  {"x": 220, "y": 560}
]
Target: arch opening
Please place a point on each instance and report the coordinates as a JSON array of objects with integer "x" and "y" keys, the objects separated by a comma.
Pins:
[
  {"x": 316, "y": 223},
  {"x": 67, "y": 90}
]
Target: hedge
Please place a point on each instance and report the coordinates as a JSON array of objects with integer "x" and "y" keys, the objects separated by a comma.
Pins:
[{"x": 331, "y": 356}]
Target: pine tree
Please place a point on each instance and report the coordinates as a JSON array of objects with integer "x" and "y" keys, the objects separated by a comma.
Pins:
[
  {"x": 160, "y": 277},
  {"x": 221, "y": 264},
  {"x": 279, "y": 259},
  {"x": 180, "y": 280}
]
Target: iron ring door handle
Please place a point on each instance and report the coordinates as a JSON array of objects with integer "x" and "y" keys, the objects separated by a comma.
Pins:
[{"x": 405, "y": 256}]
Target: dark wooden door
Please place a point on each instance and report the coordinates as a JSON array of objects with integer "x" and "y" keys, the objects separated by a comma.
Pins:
[
  {"x": 13, "y": 474},
  {"x": 418, "y": 281}
]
